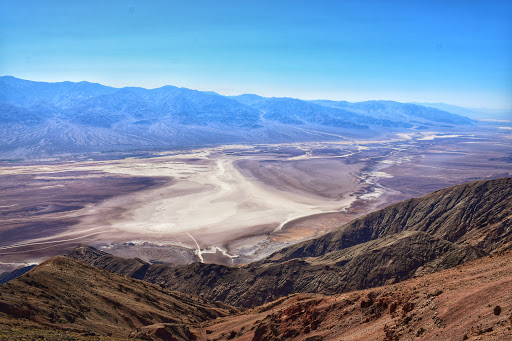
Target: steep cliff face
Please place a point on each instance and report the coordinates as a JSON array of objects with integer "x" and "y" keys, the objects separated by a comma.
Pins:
[{"x": 414, "y": 237}]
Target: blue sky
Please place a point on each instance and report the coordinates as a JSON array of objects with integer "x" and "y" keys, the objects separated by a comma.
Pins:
[{"x": 457, "y": 52}]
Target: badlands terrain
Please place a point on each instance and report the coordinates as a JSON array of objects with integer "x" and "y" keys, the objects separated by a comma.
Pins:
[{"x": 228, "y": 204}]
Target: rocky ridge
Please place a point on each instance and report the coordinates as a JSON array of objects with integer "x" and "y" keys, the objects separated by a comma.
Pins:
[
  {"x": 55, "y": 301},
  {"x": 471, "y": 301}
]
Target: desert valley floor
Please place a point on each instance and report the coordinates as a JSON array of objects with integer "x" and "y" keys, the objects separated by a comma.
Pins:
[{"x": 228, "y": 204}]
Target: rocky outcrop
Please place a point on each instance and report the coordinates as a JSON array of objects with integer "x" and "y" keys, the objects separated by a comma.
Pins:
[
  {"x": 467, "y": 302},
  {"x": 164, "y": 331},
  {"x": 371, "y": 264},
  {"x": 64, "y": 299}
]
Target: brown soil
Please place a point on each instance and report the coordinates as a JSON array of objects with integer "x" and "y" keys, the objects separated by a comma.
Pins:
[
  {"x": 454, "y": 304},
  {"x": 469, "y": 302}
]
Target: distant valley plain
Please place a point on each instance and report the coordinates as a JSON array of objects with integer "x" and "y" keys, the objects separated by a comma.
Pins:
[{"x": 229, "y": 204}]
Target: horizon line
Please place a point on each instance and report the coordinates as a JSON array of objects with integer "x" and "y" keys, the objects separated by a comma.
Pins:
[{"x": 254, "y": 94}]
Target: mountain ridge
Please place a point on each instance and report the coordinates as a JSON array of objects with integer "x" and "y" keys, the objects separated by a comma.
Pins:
[
  {"x": 101, "y": 117},
  {"x": 75, "y": 296}
]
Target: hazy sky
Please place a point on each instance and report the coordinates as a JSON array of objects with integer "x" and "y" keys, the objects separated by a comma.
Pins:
[{"x": 457, "y": 52}]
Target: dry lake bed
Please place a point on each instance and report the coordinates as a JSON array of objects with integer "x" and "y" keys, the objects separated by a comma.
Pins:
[{"x": 229, "y": 204}]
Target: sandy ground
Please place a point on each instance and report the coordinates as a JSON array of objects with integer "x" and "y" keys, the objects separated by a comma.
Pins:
[{"x": 230, "y": 203}]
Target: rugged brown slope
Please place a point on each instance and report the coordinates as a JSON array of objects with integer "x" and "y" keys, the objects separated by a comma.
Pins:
[
  {"x": 472, "y": 301},
  {"x": 371, "y": 264},
  {"x": 67, "y": 294},
  {"x": 477, "y": 214},
  {"x": 414, "y": 237}
]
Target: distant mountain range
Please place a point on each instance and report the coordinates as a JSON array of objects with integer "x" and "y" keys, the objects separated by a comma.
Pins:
[
  {"x": 476, "y": 114},
  {"x": 42, "y": 119}
]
